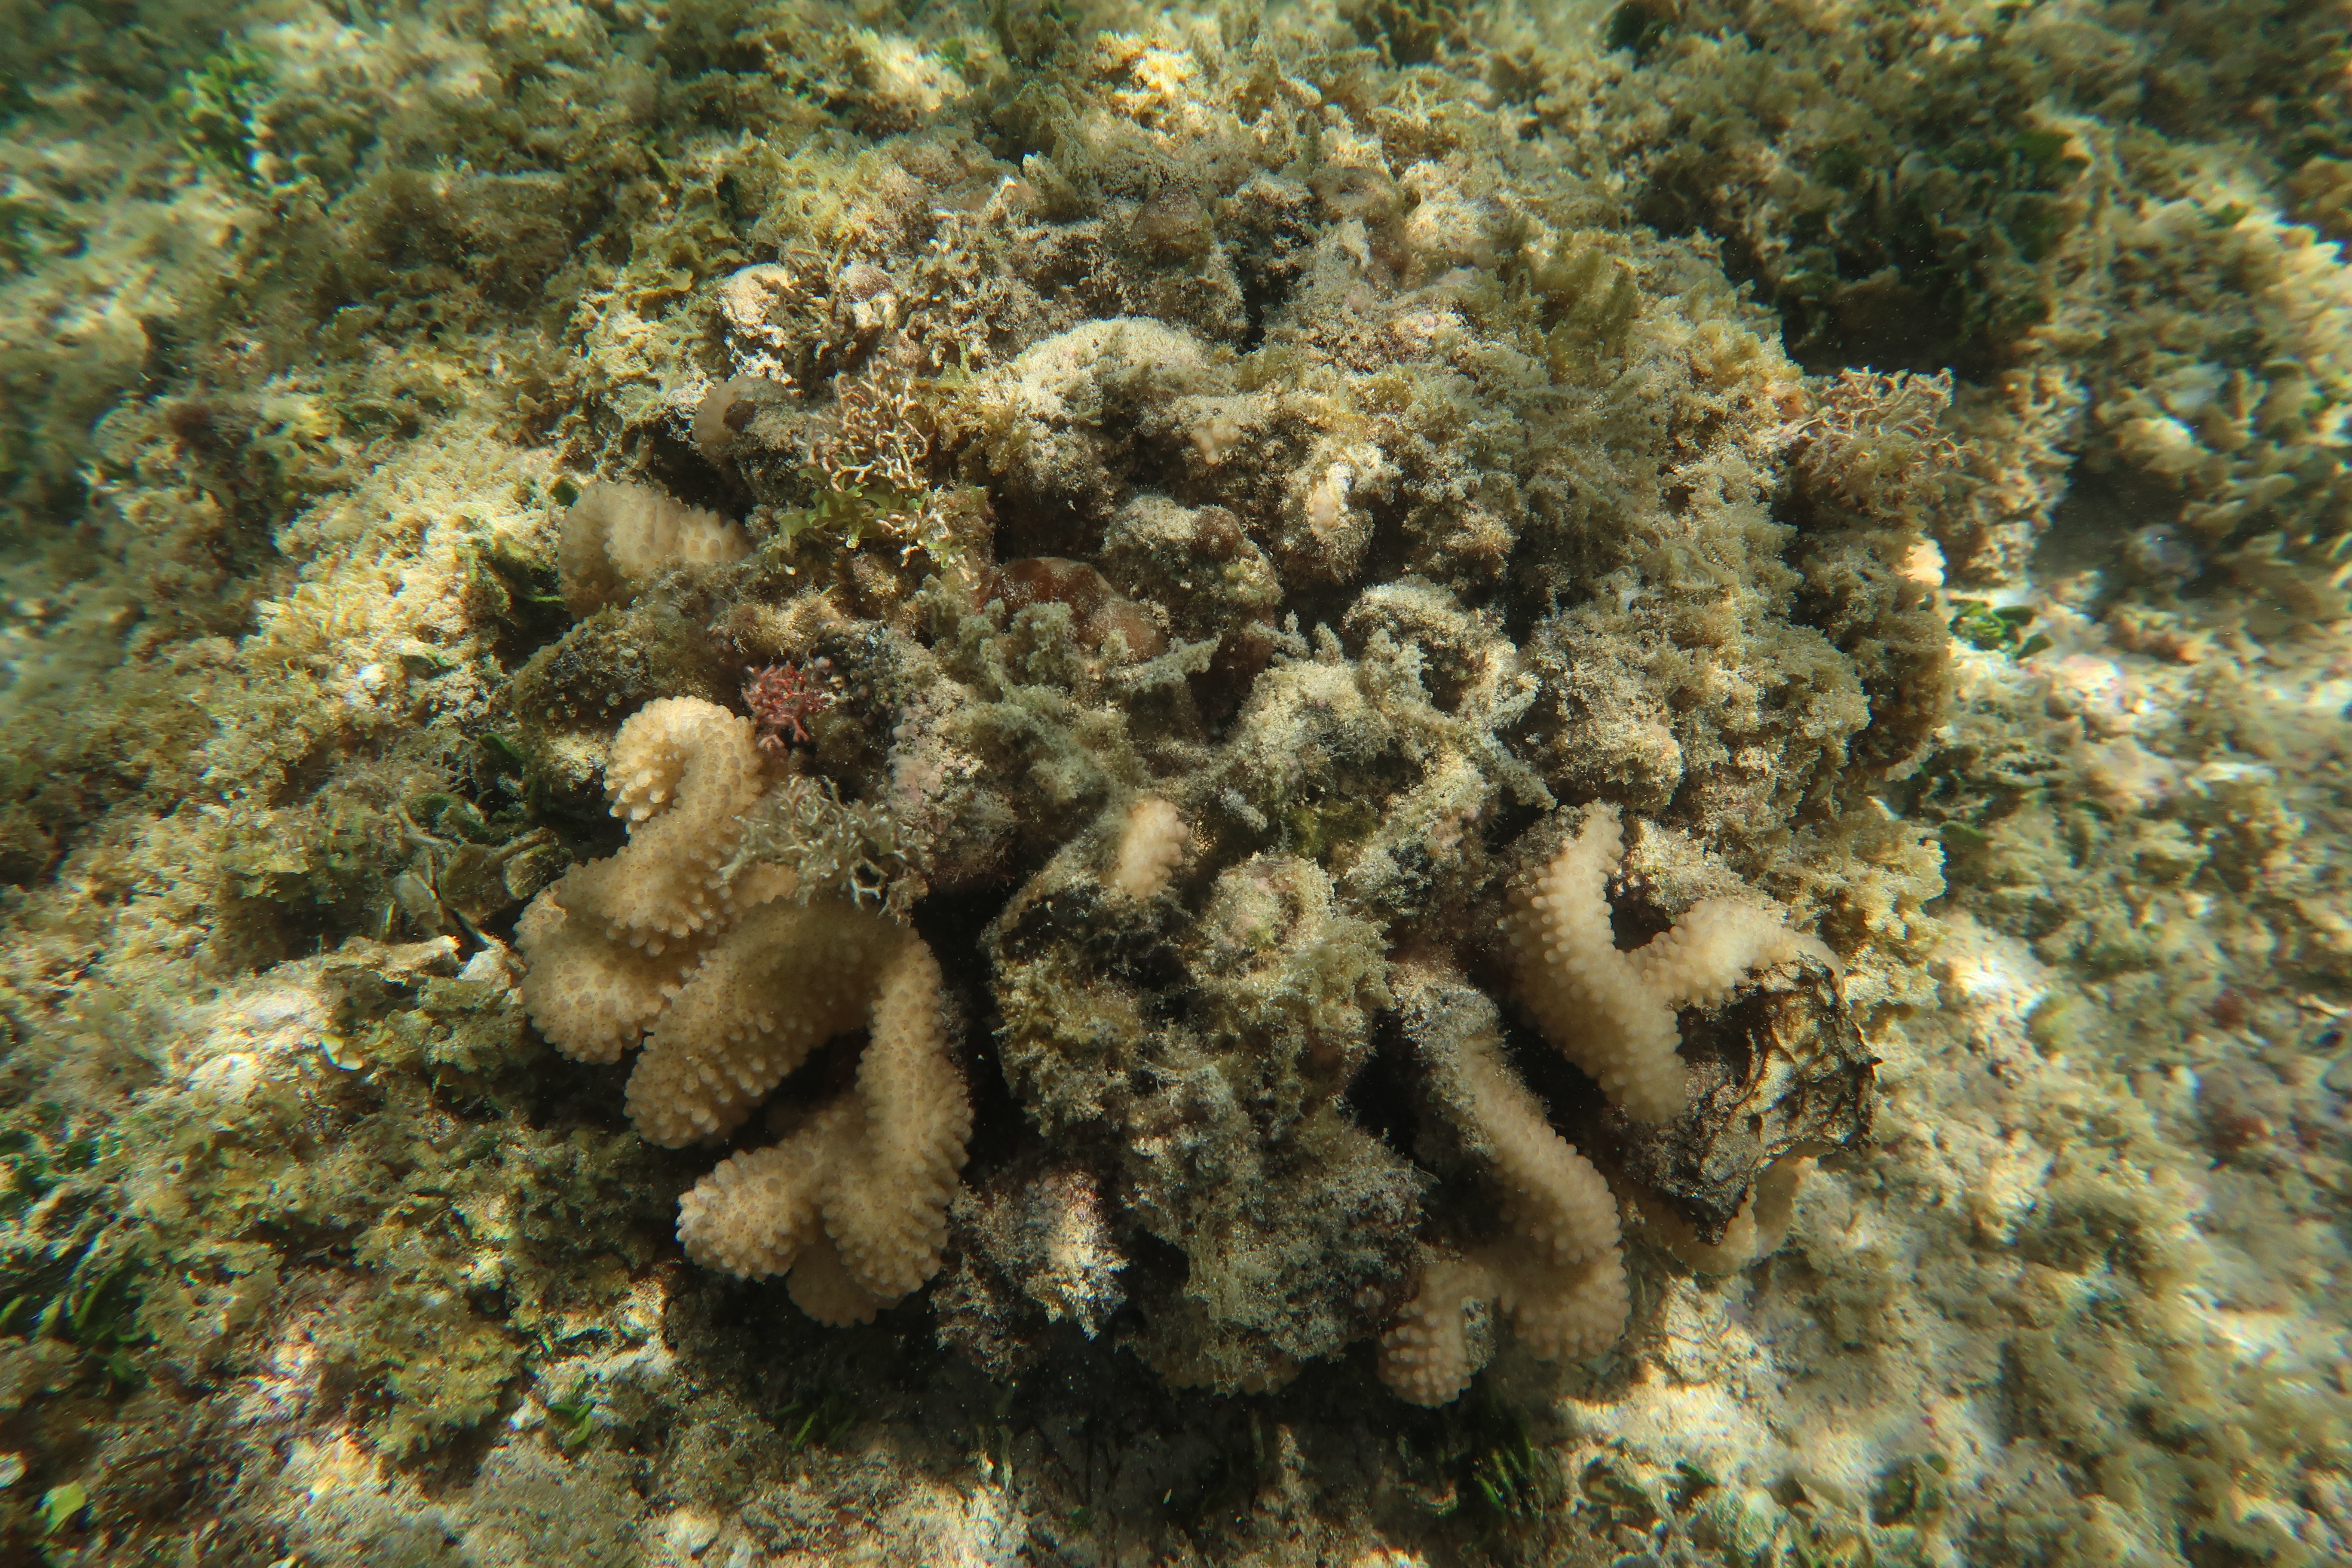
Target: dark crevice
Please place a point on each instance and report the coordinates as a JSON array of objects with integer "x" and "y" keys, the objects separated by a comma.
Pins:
[
  {"x": 1382, "y": 1098},
  {"x": 954, "y": 925}
]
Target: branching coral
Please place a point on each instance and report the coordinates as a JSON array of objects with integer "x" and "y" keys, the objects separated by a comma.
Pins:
[
  {"x": 1613, "y": 1013},
  {"x": 1266, "y": 656},
  {"x": 853, "y": 1204},
  {"x": 705, "y": 954},
  {"x": 612, "y": 940},
  {"x": 1759, "y": 1227},
  {"x": 617, "y": 537},
  {"x": 1557, "y": 1272},
  {"x": 1150, "y": 842},
  {"x": 1351, "y": 464}
]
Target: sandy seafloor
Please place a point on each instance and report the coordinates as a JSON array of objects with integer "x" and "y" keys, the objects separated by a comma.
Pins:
[{"x": 313, "y": 316}]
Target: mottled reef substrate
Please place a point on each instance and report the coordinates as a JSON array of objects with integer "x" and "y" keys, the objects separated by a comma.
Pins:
[{"x": 1223, "y": 717}]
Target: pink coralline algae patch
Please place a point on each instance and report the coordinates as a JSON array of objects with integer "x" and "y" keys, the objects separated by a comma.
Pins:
[{"x": 783, "y": 699}]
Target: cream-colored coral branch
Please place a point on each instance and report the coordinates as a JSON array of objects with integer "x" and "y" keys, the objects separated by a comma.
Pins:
[
  {"x": 613, "y": 939},
  {"x": 1559, "y": 1274},
  {"x": 731, "y": 984},
  {"x": 853, "y": 1204},
  {"x": 1760, "y": 1227},
  {"x": 1612, "y": 1012},
  {"x": 617, "y": 537},
  {"x": 1427, "y": 1356},
  {"x": 1550, "y": 1193},
  {"x": 1151, "y": 840},
  {"x": 1560, "y": 1311},
  {"x": 682, "y": 773}
]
